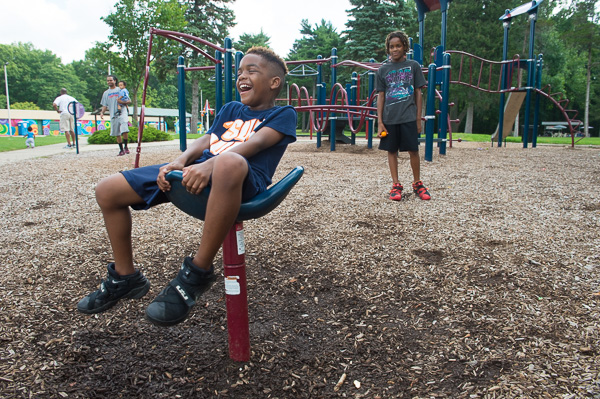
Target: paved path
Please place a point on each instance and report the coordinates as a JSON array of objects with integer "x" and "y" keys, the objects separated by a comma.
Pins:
[{"x": 55, "y": 149}]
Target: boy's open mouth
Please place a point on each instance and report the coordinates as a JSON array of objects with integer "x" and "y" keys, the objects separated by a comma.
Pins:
[{"x": 244, "y": 87}]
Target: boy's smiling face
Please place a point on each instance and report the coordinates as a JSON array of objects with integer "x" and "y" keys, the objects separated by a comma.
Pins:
[
  {"x": 396, "y": 50},
  {"x": 256, "y": 81}
]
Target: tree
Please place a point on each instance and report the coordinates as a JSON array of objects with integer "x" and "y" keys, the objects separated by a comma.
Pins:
[
  {"x": 580, "y": 24},
  {"x": 93, "y": 70},
  {"x": 130, "y": 33},
  {"x": 247, "y": 41},
  {"x": 208, "y": 20},
  {"x": 316, "y": 41},
  {"x": 36, "y": 76},
  {"x": 369, "y": 23}
]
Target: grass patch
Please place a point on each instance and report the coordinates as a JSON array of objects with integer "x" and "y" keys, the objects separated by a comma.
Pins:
[{"x": 12, "y": 143}]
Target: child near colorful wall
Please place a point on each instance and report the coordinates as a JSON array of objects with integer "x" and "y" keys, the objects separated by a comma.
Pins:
[{"x": 30, "y": 140}]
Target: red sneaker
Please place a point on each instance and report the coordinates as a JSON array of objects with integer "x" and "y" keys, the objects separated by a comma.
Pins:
[
  {"x": 126, "y": 150},
  {"x": 396, "y": 192},
  {"x": 421, "y": 190},
  {"x": 121, "y": 153}
]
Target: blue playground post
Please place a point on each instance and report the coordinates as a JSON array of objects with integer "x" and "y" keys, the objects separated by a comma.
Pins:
[
  {"x": 332, "y": 99},
  {"x": 320, "y": 96},
  {"x": 430, "y": 113},
  {"x": 228, "y": 70},
  {"x": 238, "y": 59},
  {"x": 181, "y": 100},
  {"x": 370, "y": 121},
  {"x": 443, "y": 122},
  {"x": 353, "y": 99},
  {"x": 74, "y": 104},
  {"x": 530, "y": 73},
  {"x": 504, "y": 73},
  {"x": 218, "y": 81},
  {"x": 536, "y": 112}
]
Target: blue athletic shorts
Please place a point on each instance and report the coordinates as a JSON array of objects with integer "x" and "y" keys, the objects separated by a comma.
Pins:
[
  {"x": 400, "y": 138},
  {"x": 143, "y": 182}
]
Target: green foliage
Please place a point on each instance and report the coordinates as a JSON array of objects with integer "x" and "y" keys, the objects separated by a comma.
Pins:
[
  {"x": 130, "y": 33},
  {"x": 247, "y": 41},
  {"x": 149, "y": 134},
  {"x": 316, "y": 41},
  {"x": 93, "y": 70},
  {"x": 369, "y": 23},
  {"x": 25, "y": 105},
  {"x": 37, "y": 76}
]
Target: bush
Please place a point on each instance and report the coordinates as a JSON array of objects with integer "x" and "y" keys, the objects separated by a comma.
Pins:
[{"x": 150, "y": 134}]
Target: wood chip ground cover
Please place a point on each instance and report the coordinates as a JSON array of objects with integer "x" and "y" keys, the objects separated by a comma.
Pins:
[{"x": 489, "y": 290}]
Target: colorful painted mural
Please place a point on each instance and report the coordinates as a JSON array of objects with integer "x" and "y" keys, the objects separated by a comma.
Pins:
[{"x": 51, "y": 127}]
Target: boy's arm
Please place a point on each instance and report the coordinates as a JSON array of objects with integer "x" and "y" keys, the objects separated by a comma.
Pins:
[
  {"x": 196, "y": 177},
  {"x": 419, "y": 104},
  {"x": 193, "y": 152},
  {"x": 380, "y": 106}
]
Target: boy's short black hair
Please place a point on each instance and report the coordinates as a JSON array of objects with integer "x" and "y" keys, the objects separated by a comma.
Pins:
[
  {"x": 124, "y": 82},
  {"x": 270, "y": 56},
  {"x": 278, "y": 64},
  {"x": 30, "y": 129},
  {"x": 400, "y": 35}
]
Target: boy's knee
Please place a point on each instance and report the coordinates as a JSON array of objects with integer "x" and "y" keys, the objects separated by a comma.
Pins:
[
  {"x": 105, "y": 191},
  {"x": 230, "y": 167}
]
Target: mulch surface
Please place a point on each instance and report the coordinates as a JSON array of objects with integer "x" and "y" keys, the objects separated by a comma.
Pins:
[{"x": 489, "y": 290}]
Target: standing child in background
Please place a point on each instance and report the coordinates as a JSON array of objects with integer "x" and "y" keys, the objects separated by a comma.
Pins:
[
  {"x": 236, "y": 161},
  {"x": 30, "y": 141},
  {"x": 399, "y": 103},
  {"x": 123, "y": 96}
]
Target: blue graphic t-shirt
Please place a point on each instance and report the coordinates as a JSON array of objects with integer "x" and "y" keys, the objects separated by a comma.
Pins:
[
  {"x": 398, "y": 81},
  {"x": 236, "y": 123}
]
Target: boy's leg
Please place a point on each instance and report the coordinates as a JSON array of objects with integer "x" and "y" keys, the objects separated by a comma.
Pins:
[
  {"x": 223, "y": 205},
  {"x": 415, "y": 164},
  {"x": 114, "y": 196},
  {"x": 174, "y": 303},
  {"x": 393, "y": 164}
]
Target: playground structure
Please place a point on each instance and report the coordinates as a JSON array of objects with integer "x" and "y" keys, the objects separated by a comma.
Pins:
[{"x": 325, "y": 111}]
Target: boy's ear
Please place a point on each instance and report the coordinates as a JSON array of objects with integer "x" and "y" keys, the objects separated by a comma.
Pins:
[{"x": 275, "y": 82}]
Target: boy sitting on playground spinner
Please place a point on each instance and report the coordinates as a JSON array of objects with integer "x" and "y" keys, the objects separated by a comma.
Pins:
[
  {"x": 236, "y": 162},
  {"x": 398, "y": 84}
]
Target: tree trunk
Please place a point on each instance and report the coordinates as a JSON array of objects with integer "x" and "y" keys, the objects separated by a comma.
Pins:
[
  {"x": 134, "y": 118},
  {"x": 195, "y": 105},
  {"x": 469, "y": 120},
  {"x": 586, "y": 114}
]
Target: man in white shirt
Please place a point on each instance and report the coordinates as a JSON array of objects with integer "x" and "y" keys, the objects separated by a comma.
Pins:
[{"x": 61, "y": 105}]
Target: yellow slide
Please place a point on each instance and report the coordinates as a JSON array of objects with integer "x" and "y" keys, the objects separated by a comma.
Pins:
[{"x": 511, "y": 110}]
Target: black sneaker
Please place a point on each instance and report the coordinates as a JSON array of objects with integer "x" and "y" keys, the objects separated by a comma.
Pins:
[
  {"x": 176, "y": 300},
  {"x": 113, "y": 289}
]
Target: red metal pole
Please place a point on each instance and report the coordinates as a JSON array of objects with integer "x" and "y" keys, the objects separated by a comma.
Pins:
[{"x": 234, "y": 267}]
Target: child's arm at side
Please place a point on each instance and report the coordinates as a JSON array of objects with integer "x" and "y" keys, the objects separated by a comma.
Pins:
[
  {"x": 380, "y": 105},
  {"x": 419, "y": 104}
]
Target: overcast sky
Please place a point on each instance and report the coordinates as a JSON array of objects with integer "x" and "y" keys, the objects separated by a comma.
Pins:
[{"x": 69, "y": 27}]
